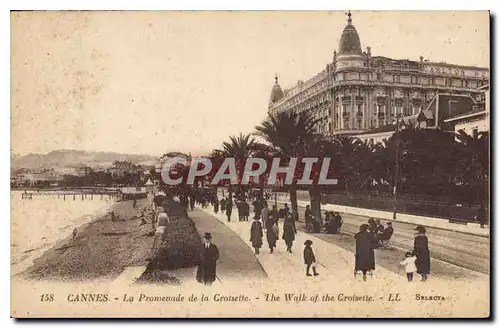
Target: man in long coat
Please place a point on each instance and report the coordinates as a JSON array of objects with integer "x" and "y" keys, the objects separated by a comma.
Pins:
[
  {"x": 271, "y": 231},
  {"x": 257, "y": 207},
  {"x": 216, "y": 205},
  {"x": 246, "y": 210},
  {"x": 206, "y": 273},
  {"x": 289, "y": 232},
  {"x": 223, "y": 205},
  {"x": 364, "y": 256},
  {"x": 229, "y": 209},
  {"x": 421, "y": 250},
  {"x": 256, "y": 234}
]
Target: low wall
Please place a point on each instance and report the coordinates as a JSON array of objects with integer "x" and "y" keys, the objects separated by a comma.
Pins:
[{"x": 440, "y": 223}]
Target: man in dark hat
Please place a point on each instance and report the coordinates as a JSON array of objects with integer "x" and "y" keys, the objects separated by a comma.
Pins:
[{"x": 206, "y": 273}]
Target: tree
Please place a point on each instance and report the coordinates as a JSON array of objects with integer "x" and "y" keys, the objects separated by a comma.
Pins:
[
  {"x": 473, "y": 163},
  {"x": 289, "y": 135},
  {"x": 266, "y": 153},
  {"x": 240, "y": 148}
]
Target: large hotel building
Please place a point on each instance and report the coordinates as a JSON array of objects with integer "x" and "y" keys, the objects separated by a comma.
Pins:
[{"x": 360, "y": 94}]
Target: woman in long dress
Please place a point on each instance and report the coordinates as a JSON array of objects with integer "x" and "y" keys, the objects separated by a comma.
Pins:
[
  {"x": 256, "y": 234},
  {"x": 364, "y": 256},
  {"x": 289, "y": 231},
  {"x": 421, "y": 249}
]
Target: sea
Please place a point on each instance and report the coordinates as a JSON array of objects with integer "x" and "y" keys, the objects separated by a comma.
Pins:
[{"x": 37, "y": 224}]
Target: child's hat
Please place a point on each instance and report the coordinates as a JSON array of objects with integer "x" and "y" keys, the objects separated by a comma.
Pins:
[
  {"x": 408, "y": 254},
  {"x": 308, "y": 242}
]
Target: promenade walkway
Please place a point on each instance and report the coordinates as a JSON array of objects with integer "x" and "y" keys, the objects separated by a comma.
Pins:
[
  {"x": 454, "y": 254},
  {"x": 332, "y": 261},
  {"x": 237, "y": 261}
]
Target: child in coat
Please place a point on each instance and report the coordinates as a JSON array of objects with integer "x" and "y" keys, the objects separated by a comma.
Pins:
[
  {"x": 309, "y": 258},
  {"x": 409, "y": 264}
]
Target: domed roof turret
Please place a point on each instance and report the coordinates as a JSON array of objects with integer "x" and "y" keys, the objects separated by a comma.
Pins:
[
  {"x": 349, "y": 41},
  {"x": 276, "y": 93}
]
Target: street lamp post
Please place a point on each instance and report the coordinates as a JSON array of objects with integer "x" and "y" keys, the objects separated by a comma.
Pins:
[
  {"x": 396, "y": 173},
  {"x": 276, "y": 198}
]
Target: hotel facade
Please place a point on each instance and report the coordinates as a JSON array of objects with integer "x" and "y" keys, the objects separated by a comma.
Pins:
[{"x": 358, "y": 92}]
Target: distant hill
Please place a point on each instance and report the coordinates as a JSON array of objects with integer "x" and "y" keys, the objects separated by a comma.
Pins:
[{"x": 75, "y": 158}]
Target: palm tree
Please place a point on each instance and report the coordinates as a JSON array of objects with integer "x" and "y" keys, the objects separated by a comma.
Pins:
[
  {"x": 289, "y": 135},
  {"x": 264, "y": 152},
  {"x": 240, "y": 148},
  {"x": 320, "y": 148},
  {"x": 217, "y": 158},
  {"x": 473, "y": 162}
]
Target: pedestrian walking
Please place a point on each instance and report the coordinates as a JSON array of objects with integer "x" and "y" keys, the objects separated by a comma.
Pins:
[
  {"x": 286, "y": 210},
  {"x": 256, "y": 234},
  {"x": 309, "y": 258},
  {"x": 289, "y": 231},
  {"x": 223, "y": 205},
  {"x": 421, "y": 251},
  {"x": 265, "y": 212},
  {"x": 481, "y": 216},
  {"x": 216, "y": 205},
  {"x": 246, "y": 210},
  {"x": 207, "y": 268},
  {"x": 409, "y": 264},
  {"x": 191, "y": 202},
  {"x": 271, "y": 232},
  {"x": 229, "y": 209},
  {"x": 364, "y": 256},
  {"x": 239, "y": 207},
  {"x": 257, "y": 207},
  {"x": 308, "y": 216}
]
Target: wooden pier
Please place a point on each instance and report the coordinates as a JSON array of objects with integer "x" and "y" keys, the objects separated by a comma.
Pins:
[{"x": 73, "y": 194}]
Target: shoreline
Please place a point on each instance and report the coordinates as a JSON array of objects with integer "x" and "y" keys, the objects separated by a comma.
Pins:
[
  {"x": 101, "y": 249},
  {"x": 23, "y": 255}
]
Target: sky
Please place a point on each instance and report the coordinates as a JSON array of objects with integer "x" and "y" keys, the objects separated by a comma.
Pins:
[{"x": 154, "y": 82}]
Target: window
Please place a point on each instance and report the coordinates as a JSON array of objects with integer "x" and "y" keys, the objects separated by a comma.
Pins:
[
  {"x": 448, "y": 82},
  {"x": 397, "y": 78},
  {"x": 344, "y": 76},
  {"x": 379, "y": 76}
]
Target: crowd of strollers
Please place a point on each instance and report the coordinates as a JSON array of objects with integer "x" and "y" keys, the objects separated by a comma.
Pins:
[{"x": 371, "y": 235}]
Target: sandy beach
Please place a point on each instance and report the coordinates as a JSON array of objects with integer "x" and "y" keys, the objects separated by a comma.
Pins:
[{"x": 101, "y": 249}]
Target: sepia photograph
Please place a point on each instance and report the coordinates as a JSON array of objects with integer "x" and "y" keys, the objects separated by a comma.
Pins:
[{"x": 250, "y": 164}]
